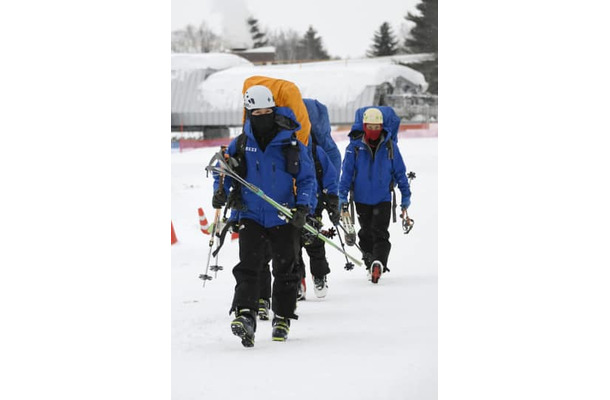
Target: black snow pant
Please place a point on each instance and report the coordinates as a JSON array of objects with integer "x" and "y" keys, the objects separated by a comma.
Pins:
[
  {"x": 253, "y": 239},
  {"x": 265, "y": 275},
  {"x": 318, "y": 266},
  {"x": 374, "y": 236}
]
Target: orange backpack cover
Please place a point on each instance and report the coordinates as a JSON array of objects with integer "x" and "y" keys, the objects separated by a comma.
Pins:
[{"x": 286, "y": 94}]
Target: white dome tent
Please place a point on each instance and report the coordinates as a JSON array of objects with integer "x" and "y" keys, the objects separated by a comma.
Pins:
[{"x": 343, "y": 86}]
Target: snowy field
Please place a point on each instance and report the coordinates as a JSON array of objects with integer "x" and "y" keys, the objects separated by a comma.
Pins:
[{"x": 361, "y": 342}]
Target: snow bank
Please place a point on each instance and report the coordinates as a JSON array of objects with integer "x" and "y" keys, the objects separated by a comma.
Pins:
[
  {"x": 334, "y": 83},
  {"x": 215, "y": 61}
]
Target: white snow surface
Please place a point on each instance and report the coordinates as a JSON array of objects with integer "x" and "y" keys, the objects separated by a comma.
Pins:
[
  {"x": 334, "y": 83},
  {"x": 216, "y": 61},
  {"x": 361, "y": 342},
  {"x": 265, "y": 49}
]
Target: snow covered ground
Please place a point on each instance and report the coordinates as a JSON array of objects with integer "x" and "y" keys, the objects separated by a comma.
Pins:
[{"x": 361, "y": 342}]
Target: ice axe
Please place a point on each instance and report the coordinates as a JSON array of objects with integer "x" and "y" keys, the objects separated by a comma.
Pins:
[{"x": 407, "y": 223}]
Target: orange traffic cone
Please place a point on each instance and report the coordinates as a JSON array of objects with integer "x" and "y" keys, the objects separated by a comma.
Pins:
[
  {"x": 174, "y": 238},
  {"x": 203, "y": 222}
]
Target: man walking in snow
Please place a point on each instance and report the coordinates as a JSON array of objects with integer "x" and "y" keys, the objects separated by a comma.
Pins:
[
  {"x": 326, "y": 178},
  {"x": 272, "y": 159},
  {"x": 372, "y": 166}
]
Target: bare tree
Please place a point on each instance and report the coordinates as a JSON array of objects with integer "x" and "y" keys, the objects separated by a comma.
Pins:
[
  {"x": 195, "y": 40},
  {"x": 286, "y": 44}
]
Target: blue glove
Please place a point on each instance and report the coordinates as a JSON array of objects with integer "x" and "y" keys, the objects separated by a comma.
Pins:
[{"x": 405, "y": 203}]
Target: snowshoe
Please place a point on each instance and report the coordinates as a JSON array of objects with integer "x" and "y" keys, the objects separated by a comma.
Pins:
[
  {"x": 244, "y": 326},
  {"x": 320, "y": 287},
  {"x": 301, "y": 290},
  {"x": 263, "y": 309},
  {"x": 376, "y": 271},
  {"x": 350, "y": 231},
  {"x": 281, "y": 327}
]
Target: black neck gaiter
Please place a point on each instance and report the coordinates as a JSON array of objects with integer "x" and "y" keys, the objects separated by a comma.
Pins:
[{"x": 263, "y": 128}]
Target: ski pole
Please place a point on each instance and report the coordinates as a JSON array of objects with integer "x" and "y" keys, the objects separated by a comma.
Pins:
[
  {"x": 348, "y": 265},
  {"x": 206, "y": 277},
  {"x": 221, "y": 237}
]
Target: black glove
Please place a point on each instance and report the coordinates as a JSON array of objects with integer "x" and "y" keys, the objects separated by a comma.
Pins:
[
  {"x": 234, "y": 226},
  {"x": 315, "y": 222},
  {"x": 298, "y": 216},
  {"x": 219, "y": 199},
  {"x": 332, "y": 206}
]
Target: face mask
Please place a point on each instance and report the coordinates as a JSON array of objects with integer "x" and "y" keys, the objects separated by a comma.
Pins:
[
  {"x": 371, "y": 134},
  {"x": 263, "y": 125}
]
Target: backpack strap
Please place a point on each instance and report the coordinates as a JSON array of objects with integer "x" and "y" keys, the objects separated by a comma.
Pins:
[
  {"x": 240, "y": 145},
  {"x": 318, "y": 164},
  {"x": 234, "y": 199},
  {"x": 351, "y": 189},
  {"x": 390, "y": 146}
]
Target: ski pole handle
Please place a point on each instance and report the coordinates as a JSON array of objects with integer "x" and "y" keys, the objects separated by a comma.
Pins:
[{"x": 215, "y": 228}]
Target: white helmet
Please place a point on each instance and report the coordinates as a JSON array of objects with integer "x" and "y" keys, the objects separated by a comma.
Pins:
[
  {"x": 258, "y": 96},
  {"x": 372, "y": 116}
]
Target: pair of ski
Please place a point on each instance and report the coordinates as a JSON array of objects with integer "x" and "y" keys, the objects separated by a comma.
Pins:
[{"x": 219, "y": 165}]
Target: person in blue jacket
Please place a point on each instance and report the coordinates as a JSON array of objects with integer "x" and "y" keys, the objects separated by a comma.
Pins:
[
  {"x": 371, "y": 167},
  {"x": 276, "y": 162},
  {"x": 326, "y": 179}
]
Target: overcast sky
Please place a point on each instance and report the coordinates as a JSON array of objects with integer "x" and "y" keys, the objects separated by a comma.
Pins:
[{"x": 346, "y": 27}]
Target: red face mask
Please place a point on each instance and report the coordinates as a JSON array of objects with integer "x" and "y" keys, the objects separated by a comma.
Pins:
[{"x": 372, "y": 134}]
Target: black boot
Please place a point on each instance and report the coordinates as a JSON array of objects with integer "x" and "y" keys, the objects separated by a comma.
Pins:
[
  {"x": 320, "y": 286},
  {"x": 244, "y": 326},
  {"x": 281, "y": 327}
]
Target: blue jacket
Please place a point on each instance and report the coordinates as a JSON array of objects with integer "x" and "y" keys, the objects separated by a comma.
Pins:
[
  {"x": 330, "y": 175},
  {"x": 372, "y": 173},
  {"x": 267, "y": 170}
]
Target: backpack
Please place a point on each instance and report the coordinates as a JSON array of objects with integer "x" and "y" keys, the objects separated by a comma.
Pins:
[
  {"x": 286, "y": 94},
  {"x": 391, "y": 124},
  {"x": 320, "y": 132}
]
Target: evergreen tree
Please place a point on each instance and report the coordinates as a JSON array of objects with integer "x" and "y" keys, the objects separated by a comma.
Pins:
[
  {"x": 384, "y": 42},
  {"x": 310, "y": 47},
  {"x": 424, "y": 35},
  {"x": 424, "y": 39},
  {"x": 258, "y": 37}
]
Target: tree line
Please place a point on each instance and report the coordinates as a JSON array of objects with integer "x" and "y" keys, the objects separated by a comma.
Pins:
[{"x": 291, "y": 46}]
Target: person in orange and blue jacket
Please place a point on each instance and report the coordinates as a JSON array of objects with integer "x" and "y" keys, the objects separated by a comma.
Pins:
[{"x": 277, "y": 163}]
